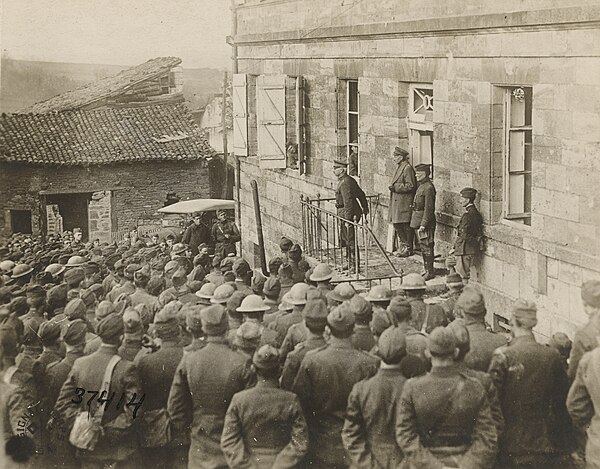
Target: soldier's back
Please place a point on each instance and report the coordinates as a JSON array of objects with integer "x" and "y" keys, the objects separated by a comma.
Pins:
[
  {"x": 482, "y": 344},
  {"x": 294, "y": 359},
  {"x": 156, "y": 373}
]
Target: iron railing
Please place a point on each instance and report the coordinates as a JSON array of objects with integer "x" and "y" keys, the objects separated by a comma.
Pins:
[{"x": 321, "y": 228}]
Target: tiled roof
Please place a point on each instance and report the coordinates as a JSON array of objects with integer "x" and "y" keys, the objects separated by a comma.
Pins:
[
  {"x": 106, "y": 87},
  {"x": 146, "y": 133}
]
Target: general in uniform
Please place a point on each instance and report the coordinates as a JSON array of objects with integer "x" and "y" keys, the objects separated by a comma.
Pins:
[
  {"x": 402, "y": 194},
  {"x": 224, "y": 234},
  {"x": 423, "y": 217},
  {"x": 470, "y": 231}
]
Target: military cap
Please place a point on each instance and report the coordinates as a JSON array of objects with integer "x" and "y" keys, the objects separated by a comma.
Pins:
[
  {"x": 193, "y": 317},
  {"x": 274, "y": 265},
  {"x": 72, "y": 294},
  {"x": 234, "y": 302},
  {"x": 206, "y": 291},
  {"x": 222, "y": 294},
  {"x": 55, "y": 269},
  {"x": 285, "y": 244},
  {"x": 361, "y": 308},
  {"x": 454, "y": 279},
  {"x": 295, "y": 249},
  {"x": 88, "y": 297},
  {"x": 172, "y": 311},
  {"x": 132, "y": 321},
  {"x": 342, "y": 292},
  {"x": 252, "y": 304},
  {"x": 142, "y": 274},
  {"x": 240, "y": 268},
  {"x": 57, "y": 296},
  {"x": 339, "y": 163},
  {"x": 248, "y": 335},
  {"x": 471, "y": 301},
  {"x": 171, "y": 267},
  {"x": 315, "y": 312},
  {"x": 103, "y": 309},
  {"x": 461, "y": 334},
  {"x": 131, "y": 269},
  {"x": 8, "y": 340},
  {"x": 422, "y": 167},
  {"x": 214, "y": 320},
  {"x": 341, "y": 317},
  {"x": 266, "y": 358},
  {"x": 441, "y": 341},
  {"x": 399, "y": 308},
  {"x": 413, "y": 281},
  {"x": 74, "y": 275},
  {"x": 524, "y": 309},
  {"x": 561, "y": 342},
  {"x": 321, "y": 273},
  {"x": 178, "y": 248},
  {"x": 111, "y": 260},
  {"x": 590, "y": 293},
  {"x": 97, "y": 289},
  {"x": 229, "y": 277},
  {"x": 20, "y": 270},
  {"x": 468, "y": 193},
  {"x": 272, "y": 287},
  {"x": 49, "y": 332},
  {"x": 75, "y": 332},
  {"x": 35, "y": 291},
  {"x": 297, "y": 294},
  {"x": 314, "y": 293},
  {"x": 111, "y": 327},
  {"x": 380, "y": 322},
  {"x": 258, "y": 283},
  {"x": 399, "y": 151},
  {"x": 75, "y": 309},
  {"x": 227, "y": 264},
  {"x": 179, "y": 277},
  {"x": 391, "y": 346},
  {"x": 379, "y": 294},
  {"x": 91, "y": 268},
  {"x": 158, "y": 264},
  {"x": 285, "y": 270},
  {"x": 216, "y": 261}
]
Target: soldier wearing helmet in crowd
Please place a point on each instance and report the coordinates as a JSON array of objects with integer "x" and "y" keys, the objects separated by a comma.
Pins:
[
  {"x": 297, "y": 298},
  {"x": 322, "y": 275},
  {"x": 425, "y": 316}
]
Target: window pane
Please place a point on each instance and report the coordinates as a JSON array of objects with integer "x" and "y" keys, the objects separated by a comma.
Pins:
[
  {"x": 528, "y": 105},
  {"x": 425, "y": 147},
  {"x": 517, "y": 111},
  {"x": 528, "y": 150},
  {"x": 516, "y": 193},
  {"x": 353, "y": 96},
  {"x": 516, "y": 155},
  {"x": 352, "y": 128},
  {"x": 527, "y": 194}
]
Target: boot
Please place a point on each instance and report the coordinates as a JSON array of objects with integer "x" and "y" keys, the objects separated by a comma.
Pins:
[{"x": 430, "y": 269}]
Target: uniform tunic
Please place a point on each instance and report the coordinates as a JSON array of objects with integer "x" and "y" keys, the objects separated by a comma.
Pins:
[
  {"x": 483, "y": 343},
  {"x": 403, "y": 192},
  {"x": 295, "y": 357}
]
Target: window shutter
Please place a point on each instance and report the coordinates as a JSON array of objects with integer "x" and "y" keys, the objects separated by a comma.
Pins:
[
  {"x": 270, "y": 104},
  {"x": 300, "y": 124},
  {"x": 240, "y": 115}
]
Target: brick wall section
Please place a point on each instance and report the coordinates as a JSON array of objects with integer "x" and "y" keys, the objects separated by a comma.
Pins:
[
  {"x": 546, "y": 262},
  {"x": 137, "y": 190}
]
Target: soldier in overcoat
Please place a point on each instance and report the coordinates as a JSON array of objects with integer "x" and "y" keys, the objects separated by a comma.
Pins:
[
  {"x": 470, "y": 230},
  {"x": 402, "y": 193},
  {"x": 423, "y": 217}
]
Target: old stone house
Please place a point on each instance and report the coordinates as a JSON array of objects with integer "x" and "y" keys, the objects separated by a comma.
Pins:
[{"x": 501, "y": 96}]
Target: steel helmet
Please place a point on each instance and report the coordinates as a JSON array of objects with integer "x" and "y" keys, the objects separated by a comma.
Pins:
[
  {"x": 379, "y": 293},
  {"x": 297, "y": 294},
  {"x": 342, "y": 292},
  {"x": 20, "y": 270},
  {"x": 7, "y": 266},
  {"x": 222, "y": 293},
  {"x": 321, "y": 273},
  {"x": 178, "y": 248},
  {"x": 413, "y": 282},
  {"x": 206, "y": 291},
  {"x": 252, "y": 304},
  {"x": 75, "y": 261},
  {"x": 55, "y": 269}
]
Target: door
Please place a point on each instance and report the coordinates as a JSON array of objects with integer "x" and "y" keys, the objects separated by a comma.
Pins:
[{"x": 74, "y": 210}]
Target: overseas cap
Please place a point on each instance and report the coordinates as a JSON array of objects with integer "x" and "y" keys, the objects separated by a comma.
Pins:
[
  {"x": 248, "y": 335},
  {"x": 392, "y": 345},
  {"x": 193, "y": 317},
  {"x": 272, "y": 287},
  {"x": 49, "y": 332},
  {"x": 75, "y": 332},
  {"x": 471, "y": 301},
  {"x": 590, "y": 293},
  {"x": 341, "y": 318},
  {"x": 241, "y": 268},
  {"x": 111, "y": 327},
  {"x": 285, "y": 244},
  {"x": 214, "y": 320},
  {"x": 315, "y": 312},
  {"x": 103, "y": 309},
  {"x": 74, "y": 275},
  {"x": 88, "y": 297},
  {"x": 266, "y": 358},
  {"x": 274, "y": 265},
  {"x": 35, "y": 291},
  {"x": 132, "y": 322},
  {"x": 361, "y": 308},
  {"x": 441, "y": 341},
  {"x": 75, "y": 309},
  {"x": 179, "y": 277},
  {"x": 468, "y": 192},
  {"x": 524, "y": 309},
  {"x": 400, "y": 308},
  {"x": 171, "y": 267},
  {"x": 285, "y": 270}
]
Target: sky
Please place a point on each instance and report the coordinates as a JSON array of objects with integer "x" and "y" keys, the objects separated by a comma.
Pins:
[{"x": 121, "y": 32}]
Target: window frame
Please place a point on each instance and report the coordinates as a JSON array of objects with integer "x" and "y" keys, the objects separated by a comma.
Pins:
[
  {"x": 349, "y": 143},
  {"x": 417, "y": 125},
  {"x": 523, "y": 218}
]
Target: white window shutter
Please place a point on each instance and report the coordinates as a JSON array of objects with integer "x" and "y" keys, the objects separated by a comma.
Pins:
[
  {"x": 240, "y": 115},
  {"x": 270, "y": 109}
]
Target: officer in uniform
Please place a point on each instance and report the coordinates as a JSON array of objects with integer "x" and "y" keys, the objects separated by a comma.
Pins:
[
  {"x": 298, "y": 263},
  {"x": 402, "y": 193},
  {"x": 532, "y": 385},
  {"x": 225, "y": 234},
  {"x": 443, "y": 418},
  {"x": 204, "y": 384},
  {"x": 470, "y": 231},
  {"x": 264, "y": 426},
  {"x": 323, "y": 384},
  {"x": 423, "y": 217},
  {"x": 425, "y": 317},
  {"x": 351, "y": 204},
  {"x": 197, "y": 233},
  {"x": 369, "y": 433}
]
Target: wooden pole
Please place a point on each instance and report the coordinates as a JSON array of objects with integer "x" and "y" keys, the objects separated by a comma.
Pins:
[{"x": 224, "y": 125}]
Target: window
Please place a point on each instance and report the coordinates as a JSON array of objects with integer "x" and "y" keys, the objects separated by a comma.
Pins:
[
  {"x": 347, "y": 123},
  {"x": 420, "y": 124},
  {"x": 274, "y": 130},
  {"x": 167, "y": 83},
  {"x": 517, "y": 154}
]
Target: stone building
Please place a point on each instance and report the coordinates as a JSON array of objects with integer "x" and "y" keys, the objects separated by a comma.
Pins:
[
  {"x": 501, "y": 96},
  {"x": 211, "y": 121},
  {"x": 103, "y": 170}
]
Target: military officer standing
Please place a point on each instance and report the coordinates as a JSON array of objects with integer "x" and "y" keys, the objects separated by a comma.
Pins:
[
  {"x": 351, "y": 203},
  {"x": 264, "y": 426},
  {"x": 470, "y": 230},
  {"x": 402, "y": 193},
  {"x": 224, "y": 234},
  {"x": 423, "y": 217}
]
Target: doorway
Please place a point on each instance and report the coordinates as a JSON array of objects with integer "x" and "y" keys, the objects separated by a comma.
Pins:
[
  {"x": 20, "y": 221},
  {"x": 74, "y": 210}
]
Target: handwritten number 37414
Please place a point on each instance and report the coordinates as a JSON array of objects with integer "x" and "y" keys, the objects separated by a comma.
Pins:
[{"x": 103, "y": 399}]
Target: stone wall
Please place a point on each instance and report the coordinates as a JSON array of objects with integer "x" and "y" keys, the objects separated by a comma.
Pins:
[
  {"x": 125, "y": 195},
  {"x": 440, "y": 43}
]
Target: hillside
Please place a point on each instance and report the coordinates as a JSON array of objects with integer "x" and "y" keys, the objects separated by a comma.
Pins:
[{"x": 24, "y": 83}]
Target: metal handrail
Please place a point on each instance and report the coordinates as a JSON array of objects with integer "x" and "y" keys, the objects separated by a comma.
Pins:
[{"x": 321, "y": 239}]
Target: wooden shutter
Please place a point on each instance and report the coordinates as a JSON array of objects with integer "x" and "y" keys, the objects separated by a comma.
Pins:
[
  {"x": 300, "y": 124},
  {"x": 240, "y": 115},
  {"x": 270, "y": 107}
]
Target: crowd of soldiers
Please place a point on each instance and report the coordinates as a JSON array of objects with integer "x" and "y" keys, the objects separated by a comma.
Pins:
[{"x": 144, "y": 354}]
